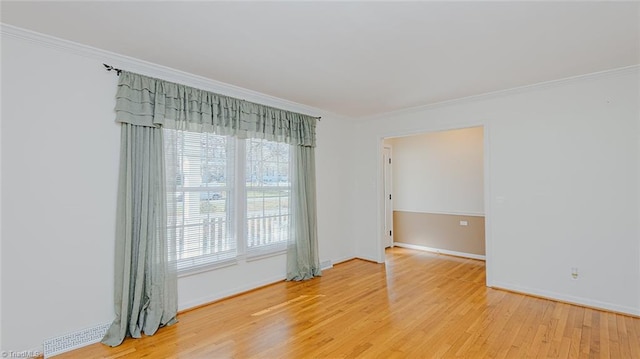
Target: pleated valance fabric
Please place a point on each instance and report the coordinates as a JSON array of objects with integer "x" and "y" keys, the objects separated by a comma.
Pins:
[{"x": 146, "y": 101}]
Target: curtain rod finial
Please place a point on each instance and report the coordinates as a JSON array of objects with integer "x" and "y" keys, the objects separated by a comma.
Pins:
[{"x": 111, "y": 68}]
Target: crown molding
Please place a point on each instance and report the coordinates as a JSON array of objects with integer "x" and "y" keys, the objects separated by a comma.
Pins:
[
  {"x": 502, "y": 93},
  {"x": 169, "y": 74},
  {"x": 158, "y": 71}
]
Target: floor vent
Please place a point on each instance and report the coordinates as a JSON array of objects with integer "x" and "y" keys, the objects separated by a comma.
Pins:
[{"x": 74, "y": 340}]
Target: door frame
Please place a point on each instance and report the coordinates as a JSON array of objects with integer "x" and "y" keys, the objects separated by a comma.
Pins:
[
  {"x": 487, "y": 185},
  {"x": 387, "y": 191}
]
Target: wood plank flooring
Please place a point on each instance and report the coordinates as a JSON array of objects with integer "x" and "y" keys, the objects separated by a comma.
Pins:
[{"x": 417, "y": 305}]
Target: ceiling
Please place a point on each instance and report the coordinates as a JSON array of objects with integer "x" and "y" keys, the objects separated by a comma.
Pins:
[{"x": 354, "y": 58}]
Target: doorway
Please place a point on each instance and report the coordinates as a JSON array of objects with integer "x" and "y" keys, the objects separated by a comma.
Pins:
[{"x": 437, "y": 188}]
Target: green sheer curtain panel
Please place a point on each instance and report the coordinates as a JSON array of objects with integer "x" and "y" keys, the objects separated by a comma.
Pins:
[
  {"x": 302, "y": 248},
  {"x": 145, "y": 295}
]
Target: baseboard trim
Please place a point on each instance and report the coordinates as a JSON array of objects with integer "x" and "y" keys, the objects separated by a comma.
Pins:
[
  {"x": 567, "y": 299},
  {"x": 367, "y": 259},
  {"x": 440, "y": 251},
  {"x": 343, "y": 260},
  {"x": 204, "y": 301}
]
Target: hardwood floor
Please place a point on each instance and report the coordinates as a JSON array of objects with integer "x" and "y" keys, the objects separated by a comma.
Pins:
[{"x": 418, "y": 305}]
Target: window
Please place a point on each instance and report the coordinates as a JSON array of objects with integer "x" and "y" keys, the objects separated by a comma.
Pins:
[
  {"x": 200, "y": 211},
  {"x": 216, "y": 211},
  {"x": 267, "y": 189}
]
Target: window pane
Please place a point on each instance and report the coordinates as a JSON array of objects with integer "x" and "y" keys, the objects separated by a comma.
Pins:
[
  {"x": 268, "y": 190},
  {"x": 199, "y": 210}
]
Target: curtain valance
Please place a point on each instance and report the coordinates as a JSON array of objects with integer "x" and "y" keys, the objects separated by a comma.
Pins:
[{"x": 146, "y": 101}]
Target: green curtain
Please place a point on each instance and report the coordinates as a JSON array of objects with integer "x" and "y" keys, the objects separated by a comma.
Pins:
[
  {"x": 145, "y": 266},
  {"x": 302, "y": 248},
  {"x": 151, "y": 102},
  {"x": 145, "y": 277}
]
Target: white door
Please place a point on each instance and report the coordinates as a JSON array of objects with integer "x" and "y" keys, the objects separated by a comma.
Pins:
[{"x": 388, "y": 200}]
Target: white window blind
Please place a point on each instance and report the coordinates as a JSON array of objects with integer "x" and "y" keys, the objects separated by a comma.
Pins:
[
  {"x": 217, "y": 212},
  {"x": 200, "y": 211},
  {"x": 268, "y": 191}
]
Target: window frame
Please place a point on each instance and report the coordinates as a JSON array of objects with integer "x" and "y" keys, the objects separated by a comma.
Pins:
[
  {"x": 236, "y": 213},
  {"x": 266, "y": 250}
]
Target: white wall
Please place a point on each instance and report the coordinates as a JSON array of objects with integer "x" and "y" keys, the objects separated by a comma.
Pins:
[
  {"x": 439, "y": 172},
  {"x": 59, "y": 176},
  {"x": 563, "y": 156},
  {"x": 60, "y": 152},
  {"x": 1, "y": 346}
]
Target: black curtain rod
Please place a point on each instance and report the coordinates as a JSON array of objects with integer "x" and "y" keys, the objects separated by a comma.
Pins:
[
  {"x": 119, "y": 71},
  {"x": 111, "y": 68}
]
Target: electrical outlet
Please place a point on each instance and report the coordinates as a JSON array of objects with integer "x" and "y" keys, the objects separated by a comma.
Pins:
[
  {"x": 464, "y": 223},
  {"x": 574, "y": 273}
]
